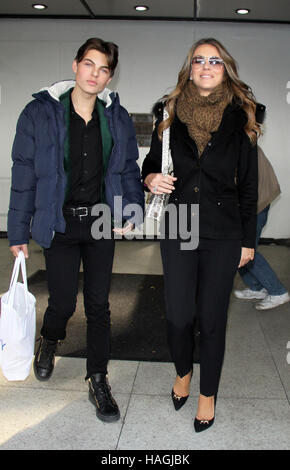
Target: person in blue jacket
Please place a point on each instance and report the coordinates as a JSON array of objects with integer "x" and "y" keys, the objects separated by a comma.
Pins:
[{"x": 75, "y": 150}]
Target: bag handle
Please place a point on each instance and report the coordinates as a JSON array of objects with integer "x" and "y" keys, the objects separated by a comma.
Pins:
[
  {"x": 166, "y": 154},
  {"x": 19, "y": 262}
]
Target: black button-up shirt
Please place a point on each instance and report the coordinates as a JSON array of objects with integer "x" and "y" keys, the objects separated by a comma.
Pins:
[{"x": 85, "y": 172}]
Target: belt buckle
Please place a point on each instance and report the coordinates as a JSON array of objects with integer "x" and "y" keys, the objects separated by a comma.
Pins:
[{"x": 83, "y": 215}]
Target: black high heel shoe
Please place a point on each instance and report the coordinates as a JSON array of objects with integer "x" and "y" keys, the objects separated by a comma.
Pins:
[
  {"x": 203, "y": 424},
  {"x": 178, "y": 401}
]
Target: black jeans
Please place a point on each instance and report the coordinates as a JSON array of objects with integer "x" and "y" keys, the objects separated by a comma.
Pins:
[
  {"x": 198, "y": 283},
  {"x": 63, "y": 261}
]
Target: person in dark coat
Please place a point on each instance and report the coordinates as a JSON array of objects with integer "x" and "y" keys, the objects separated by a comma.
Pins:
[
  {"x": 74, "y": 154},
  {"x": 213, "y": 136}
]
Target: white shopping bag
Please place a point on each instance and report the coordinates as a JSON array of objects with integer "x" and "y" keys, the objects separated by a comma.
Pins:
[{"x": 17, "y": 326}]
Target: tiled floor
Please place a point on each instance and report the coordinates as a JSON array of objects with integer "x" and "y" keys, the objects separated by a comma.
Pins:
[{"x": 253, "y": 408}]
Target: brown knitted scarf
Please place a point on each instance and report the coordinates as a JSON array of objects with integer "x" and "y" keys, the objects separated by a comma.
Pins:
[{"x": 201, "y": 114}]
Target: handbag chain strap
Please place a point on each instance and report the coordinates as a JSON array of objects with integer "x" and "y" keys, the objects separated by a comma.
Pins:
[{"x": 166, "y": 154}]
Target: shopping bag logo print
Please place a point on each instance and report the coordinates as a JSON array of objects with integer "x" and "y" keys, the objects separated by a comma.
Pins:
[{"x": 17, "y": 325}]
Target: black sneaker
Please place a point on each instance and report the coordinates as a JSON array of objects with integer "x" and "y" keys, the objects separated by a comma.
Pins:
[
  {"x": 44, "y": 359},
  {"x": 100, "y": 395}
]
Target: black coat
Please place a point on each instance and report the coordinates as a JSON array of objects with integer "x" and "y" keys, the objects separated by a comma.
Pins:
[{"x": 223, "y": 181}]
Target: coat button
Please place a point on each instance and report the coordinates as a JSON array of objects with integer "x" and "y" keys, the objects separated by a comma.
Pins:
[
  {"x": 196, "y": 189},
  {"x": 209, "y": 144}
]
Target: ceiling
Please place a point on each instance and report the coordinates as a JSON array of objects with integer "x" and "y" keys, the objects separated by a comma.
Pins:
[{"x": 277, "y": 11}]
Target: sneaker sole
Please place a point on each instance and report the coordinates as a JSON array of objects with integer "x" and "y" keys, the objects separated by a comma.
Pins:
[
  {"x": 258, "y": 307},
  {"x": 250, "y": 298},
  {"x": 106, "y": 419}
]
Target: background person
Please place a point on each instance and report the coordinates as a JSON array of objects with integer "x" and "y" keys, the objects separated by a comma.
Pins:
[{"x": 261, "y": 280}]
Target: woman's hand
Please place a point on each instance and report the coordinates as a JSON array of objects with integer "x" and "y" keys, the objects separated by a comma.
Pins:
[
  {"x": 159, "y": 183},
  {"x": 16, "y": 248},
  {"x": 246, "y": 256}
]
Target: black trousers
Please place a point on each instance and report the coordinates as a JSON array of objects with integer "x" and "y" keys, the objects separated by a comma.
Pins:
[
  {"x": 198, "y": 283},
  {"x": 63, "y": 261}
]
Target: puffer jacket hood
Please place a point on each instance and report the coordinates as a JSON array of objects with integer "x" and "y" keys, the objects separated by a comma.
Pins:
[{"x": 57, "y": 89}]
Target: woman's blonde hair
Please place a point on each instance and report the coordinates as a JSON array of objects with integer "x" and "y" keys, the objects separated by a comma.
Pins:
[{"x": 235, "y": 88}]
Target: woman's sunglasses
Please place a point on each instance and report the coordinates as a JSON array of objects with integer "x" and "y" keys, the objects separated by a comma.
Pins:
[{"x": 215, "y": 62}]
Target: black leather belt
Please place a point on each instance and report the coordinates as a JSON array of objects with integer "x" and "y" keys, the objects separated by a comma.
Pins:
[{"x": 78, "y": 211}]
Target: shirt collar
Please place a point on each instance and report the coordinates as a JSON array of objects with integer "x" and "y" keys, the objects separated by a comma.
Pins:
[{"x": 74, "y": 115}]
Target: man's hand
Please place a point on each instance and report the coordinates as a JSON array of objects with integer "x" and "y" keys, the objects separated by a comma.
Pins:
[
  {"x": 246, "y": 256},
  {"x": 126, "y": 229},
  {"x": 16, "y": 248}
]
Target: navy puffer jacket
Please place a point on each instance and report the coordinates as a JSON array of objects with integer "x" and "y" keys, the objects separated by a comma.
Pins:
[{"x": 38, "y": 176}]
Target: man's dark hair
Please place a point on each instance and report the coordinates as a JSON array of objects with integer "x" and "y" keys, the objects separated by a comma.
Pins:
[{"x": 110, "y": 49}]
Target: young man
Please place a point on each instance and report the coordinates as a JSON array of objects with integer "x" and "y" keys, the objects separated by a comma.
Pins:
[{"x": 75, "y": 147}]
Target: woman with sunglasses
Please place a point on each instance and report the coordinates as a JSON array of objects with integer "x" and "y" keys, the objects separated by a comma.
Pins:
[{"x": 213, "y": 135}]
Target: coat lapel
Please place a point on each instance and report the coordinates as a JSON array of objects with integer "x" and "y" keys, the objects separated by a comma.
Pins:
[{"x": 179, "y": 132}]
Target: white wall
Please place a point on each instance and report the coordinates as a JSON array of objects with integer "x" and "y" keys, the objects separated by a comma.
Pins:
[{"x": 36, "y": 53}]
